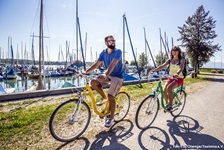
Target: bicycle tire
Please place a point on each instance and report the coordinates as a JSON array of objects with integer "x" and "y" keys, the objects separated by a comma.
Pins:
[
  {"x": 179, "y": 102},
  {"x": 122, "y": 107},
  {"x": 62, "y": 125},
  {"x": 143, "y": 114}
]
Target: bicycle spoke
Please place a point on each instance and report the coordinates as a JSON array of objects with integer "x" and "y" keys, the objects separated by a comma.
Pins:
[
  {"x": 122, "y": 106},
  {"x": 146, "y": 112},
  {"x": 68, "y": 121},
  {"x": 178, "y": 103}
]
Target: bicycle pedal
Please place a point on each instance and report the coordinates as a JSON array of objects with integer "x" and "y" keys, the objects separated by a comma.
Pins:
[{"x": 101, "y": 117}]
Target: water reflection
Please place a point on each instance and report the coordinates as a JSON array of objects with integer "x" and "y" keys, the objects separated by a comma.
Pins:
[{"x": 21, "y": 84}]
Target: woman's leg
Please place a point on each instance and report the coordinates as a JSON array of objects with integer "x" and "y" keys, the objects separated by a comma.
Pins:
[
  {"x": 170, "y": 87},
  {"x": 165, "y": 92}
]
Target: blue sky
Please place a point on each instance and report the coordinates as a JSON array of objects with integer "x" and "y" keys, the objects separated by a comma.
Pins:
[{"x": 99, "y": 18}]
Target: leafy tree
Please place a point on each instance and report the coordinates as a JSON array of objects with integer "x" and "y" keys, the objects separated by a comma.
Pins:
[
  {"x": 142, "y": 60},
  {"x": 132, "y": 63},
  {"x": 197, "y": 35},
  {"x": 160, "y": 58}
]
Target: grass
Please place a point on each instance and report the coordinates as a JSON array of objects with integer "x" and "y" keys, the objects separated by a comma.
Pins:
[
  {"x": 210, "y": 70},
  {"x": 22, "y": 122}
]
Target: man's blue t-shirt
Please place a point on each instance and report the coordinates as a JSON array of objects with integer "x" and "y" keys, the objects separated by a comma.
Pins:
[{"x": 107, "y": 59}]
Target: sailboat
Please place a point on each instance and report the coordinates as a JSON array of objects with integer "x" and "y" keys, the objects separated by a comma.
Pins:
[
  {"x": 10, "y": 72},
  {"x": 128, "y": 77},
  {"x": 40, "y": 85},
  {"x": 34, "y": 73}
]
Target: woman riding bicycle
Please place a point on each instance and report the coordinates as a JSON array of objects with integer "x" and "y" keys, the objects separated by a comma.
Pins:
[{"x": 176, "y": 65}]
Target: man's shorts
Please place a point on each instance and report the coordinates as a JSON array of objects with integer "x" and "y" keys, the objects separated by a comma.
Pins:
[
  {"x": 115, "y": 84},
  {"x": 179, "y": 81}
]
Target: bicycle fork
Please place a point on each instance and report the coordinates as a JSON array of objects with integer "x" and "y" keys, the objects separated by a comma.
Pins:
[
  {"x": 75, "y": 114},
  {"x": 149, "y": 111}
]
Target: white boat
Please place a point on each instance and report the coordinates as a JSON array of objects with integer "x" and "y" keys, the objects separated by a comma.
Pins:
[
  {"x": 6, "y": 90},
  {"x": 32, "y": 88}
]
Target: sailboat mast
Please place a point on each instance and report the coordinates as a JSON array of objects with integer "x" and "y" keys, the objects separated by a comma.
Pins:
[
  {"x": 33, "y": 57},
  {"x": 77, "y": 49},
  {"x": 124, "y": 39},
  {"x": 40, "y": 34},
  {"x": 17, "y": 54},
  {"x": 145, "y": 47},
  {"x": 40, "y": 83},
  {"x": 160, "y": 45},
  {"x": 85, "y": 46}
]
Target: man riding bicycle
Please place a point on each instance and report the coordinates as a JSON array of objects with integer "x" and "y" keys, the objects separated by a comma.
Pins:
[{"x": 112, "y": 59}]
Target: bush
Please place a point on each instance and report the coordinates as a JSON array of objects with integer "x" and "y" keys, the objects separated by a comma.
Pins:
[
  {"x": 220, "y": 71},
  {"x": 213, "y": 71}
]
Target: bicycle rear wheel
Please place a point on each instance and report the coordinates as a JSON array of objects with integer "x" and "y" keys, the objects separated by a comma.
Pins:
[
  {"x": 147, "y": 112},
  {"x": 69, "y": 120},
  {"x": 179, "y": 101},
  {"x": 122, "y": 106}
]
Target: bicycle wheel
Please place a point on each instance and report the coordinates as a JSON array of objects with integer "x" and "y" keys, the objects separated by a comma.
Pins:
[
  {"x": 122, "y": 106},
  {"x": 179, "y": 101},
  {"x": 147, "y": 112},
  {"x": 69, "y": 120}
]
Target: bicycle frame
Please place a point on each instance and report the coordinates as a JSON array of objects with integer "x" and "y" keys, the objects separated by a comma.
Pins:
[
  {"x": 159, "y": 89},
  {"x": 105, "y": 111}
]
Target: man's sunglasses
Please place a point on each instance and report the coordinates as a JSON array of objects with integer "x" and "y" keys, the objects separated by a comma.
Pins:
[{"x": 110, "y": 40}]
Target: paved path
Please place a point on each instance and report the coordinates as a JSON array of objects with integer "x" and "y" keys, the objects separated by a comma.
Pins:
[{"x": 200, "y": 126}]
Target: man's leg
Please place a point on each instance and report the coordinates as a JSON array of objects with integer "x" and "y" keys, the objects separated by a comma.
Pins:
[
  {"x": 115, "y": 86},
  {"x": 98, "y": 87},
  {"x": 111, "y": 105}
]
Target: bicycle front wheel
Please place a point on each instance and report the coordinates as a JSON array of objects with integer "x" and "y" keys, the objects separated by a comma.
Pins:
[
  {"x": 122, "y": 106},
  {"x": 179, "y": 101},
  {"x": 147, "y": 112},
  {"x": 69, "y": 120}
]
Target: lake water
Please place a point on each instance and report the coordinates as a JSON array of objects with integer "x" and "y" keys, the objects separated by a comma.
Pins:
[{"x": 21, "y": 84}]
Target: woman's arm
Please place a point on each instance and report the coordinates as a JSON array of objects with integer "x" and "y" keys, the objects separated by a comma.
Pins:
[
  {"x": 161, "y": 66},
  {"x": 182, "y": 62}
]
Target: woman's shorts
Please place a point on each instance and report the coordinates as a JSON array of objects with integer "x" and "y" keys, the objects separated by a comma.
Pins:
[{"x": 179, "y": 81}]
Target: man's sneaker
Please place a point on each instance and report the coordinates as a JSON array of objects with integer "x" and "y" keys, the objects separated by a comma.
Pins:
[
  {"x": 109, "y": 122},
  {"x": 101, "y": 102}
]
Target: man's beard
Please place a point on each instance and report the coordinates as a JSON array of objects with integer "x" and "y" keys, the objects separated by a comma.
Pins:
[{"x": 111, "y": 46}]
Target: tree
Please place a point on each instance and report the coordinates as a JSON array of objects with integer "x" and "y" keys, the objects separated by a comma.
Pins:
[
  {"x": 197, "y": 35},
  {"x": 132, "y": 63},
  {"x": 142, "y": 60},
  {"x": 160, "y": 58}
]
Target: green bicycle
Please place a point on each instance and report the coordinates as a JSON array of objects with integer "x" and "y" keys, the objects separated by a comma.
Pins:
[{"x": 149, "y": 107}]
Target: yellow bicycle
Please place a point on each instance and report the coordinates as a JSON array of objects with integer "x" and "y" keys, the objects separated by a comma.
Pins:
[{"x": 71, "y": 118}]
